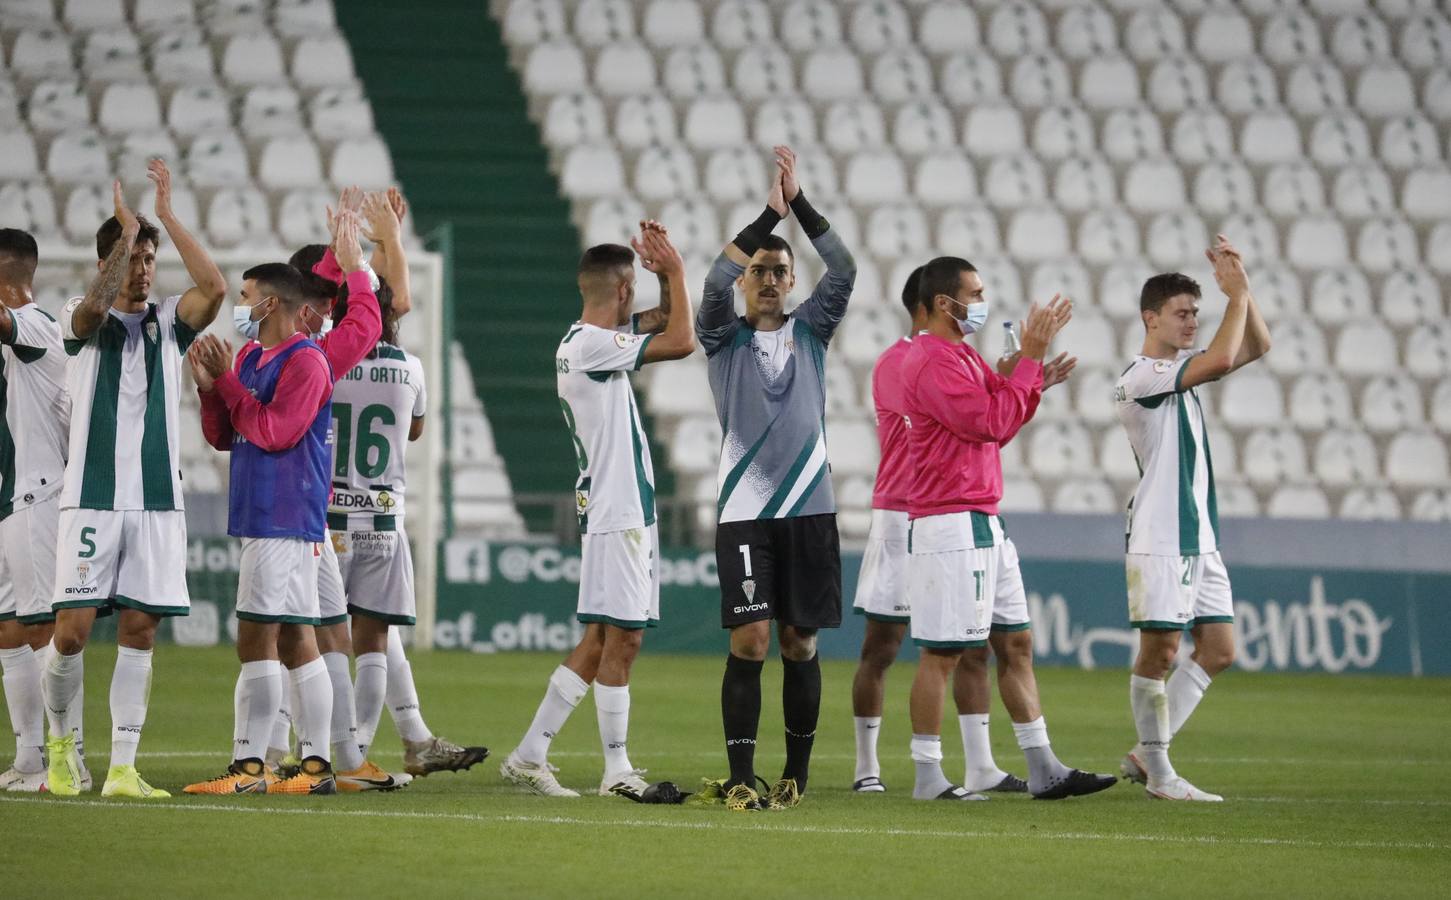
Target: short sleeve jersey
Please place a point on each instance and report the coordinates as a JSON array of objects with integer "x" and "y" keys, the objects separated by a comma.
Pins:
[
  {"x": 125, "y": 383},
  {"x": 374, "y": 405},
  {"x": 1173, "y": 510},
  {"x": 34, "y": 410},
  {"x": 615, "y": 489}
]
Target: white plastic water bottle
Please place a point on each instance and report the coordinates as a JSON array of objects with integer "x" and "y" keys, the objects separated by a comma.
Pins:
[{"x": 1010, "y": 340}]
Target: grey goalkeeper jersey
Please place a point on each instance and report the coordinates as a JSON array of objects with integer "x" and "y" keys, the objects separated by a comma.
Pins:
[{"x": 773, "y": 462}]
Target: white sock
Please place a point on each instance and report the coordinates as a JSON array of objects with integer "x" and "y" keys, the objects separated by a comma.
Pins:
[
  {"x": 27, "y": 708},
  {"x": 868, "y": 728},
  {"x": 75, "y": 719},
  {"x": 280, "y": 743},
  {"x": 1186, "y": 688},
  {"x": 927, "y": 756},
  {"x": 370, "y": 687},
  {"x": 61, "y": 684},
  {"x": 402, "y": 695},
  {"x": 612, "y": 707},
  {"x": 312, "y": 710},
  {"x": 565, "y": 691},
  {"x": 130, "y": 693},
  {"x": 1150, "y": 704},
  {"x": 982, "y": 773},
  {"x": 259, "y": 693},
  {"x": 346, "y": 754},
  {"x": 1044, "y": 769}
]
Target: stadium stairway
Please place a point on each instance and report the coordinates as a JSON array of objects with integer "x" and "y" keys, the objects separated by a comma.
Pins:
[{"x": 454, "y": 116}]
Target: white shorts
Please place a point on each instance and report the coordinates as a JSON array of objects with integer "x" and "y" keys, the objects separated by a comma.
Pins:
[
  {"x": 332, "y": 597},
  {"x": 377, "y": 570},
  {"x": 619, "y": 578},
  {"x": 881, "y": 588},
  {"x": 963, "y": 581},
  {"x": 27, "y": 562},
  {"x": 1177, "y": 592},
  {"x": 278, "y": 581},
  {"x": 130, "y": 558}
]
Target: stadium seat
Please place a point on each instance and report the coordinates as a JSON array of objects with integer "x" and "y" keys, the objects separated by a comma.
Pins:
[
  {"x": 739, "y": 24},
  {"x": 1408, "y": 142},
  {"x": 693, "y": 72},
  {"x": 1273, "y": 455},
  {"x": 1201, "y": 136},
  {"x": 695, "y": 445},
  {"x": 600, "y": 23},
  {"x": 197, "y": 108},
  {"x": 1017, "y": 28},
  {"x": 970, "y": 78},
  {"x": 592, "y": 171},
  {"x": 1426, "y": 195},
  {"x": 216, "y": 158},
  {"x": 624, "y": 68},
  {"x": 1384, "y": 89},
  {"x": 1278, "y": 291},
  {"x": 1438, "y": 248},
  {"x": 1340, "y": 295},
  {"x": 945, "y": 27},
  {"x": 874, "y": 177},
  {"x": 1345, "y": 457},
  {"x": 39, "y": 52},
  {"x": 1291, "y": 36},
  {"x": 760, "y": 75},
  {"x": 1174, "y": 239},
  {"x": 1270, "y": 137},
  {"x": 112, "y": 54},
  {"x": 58, "y": 105},
  {"x": 1298, "y": 501},
  {"x": 1082, "y": 184},
  {"x": 614, "y": 220},
  {"x": 1013, "y": 182},
  {"x": 1119, "y": 286},
  {"x": 1176, "y": 85},
  {"x": 853, "y": 444},
  {"x": 1428, "y": 350},
  {"x": 1040, "y": 79},
  {"x": 139, "y": 148},
  {"x": 271, "y": 110},
  {"x": 817, "y": 169},
  {"x": 77, "y": 156},
  {"x": 714, "y": 121},
  {"x": 1107, "y": 236},
  {"x": 299, "y": 18},
  {"x": 733, "y": 174},
  {"x": 574, "y": 118},
  {"x": 1223, "y": 187},
  {"x": 673, "y": 23},
  {"x": 30, "y": 13},
  {"x": 808, "y": 24},
  {"x": 1223, "y": 34},
  {"x": 1385, "y": 244},
  {"x": 290, "y": 162},
  {"x": 854, "y": 125},
  {"x": 302, "y": 217},
  {"x": 895, "y": 231},
  {"x": 1369, "y": 503},
  {"x": 1338, "y": 138},
  {"x": 1247, "y": 86},
  {"x": 680, "y": 391},
  {"x": 86, "y": 207},
  {"x": 968, "y": 230},
  {"x": 341, "y": 111},
  {"x": 1115, "y": 456},
  {"x": 1021, "y": 495},
  {"x": 1153, "y": 33},
  {"x": 1292, "y": 190},
  {"x": 1367, "y": 349},
  {"x": 880, "y": 25},
  {"x": 254, "y": 58},
  {"x": 1057, "y": 449},
  {"x": 1317, "y": 242},
  {"x": 1038, "y": 234},
  {"x": 1254, "y": 234},
  {"x": 901, "y": 74},
  {"x": 1154, "y": 186},
  {"x": 30, "y": 206},
  {"x": 1086, "y": 33},
  {"x": 1064, "y": 131},
  {"x": 1090, "y": 336},
  {"x": 922, "y": 127},
  {"x": 1359, "y": 39},
  {"x": 1417, "y": 459},
  {"x": 1085, "y": 496},
  {"x": 1425, "y": 40},
  {"x": 866, "y": 331},
  {"x": 1431, "y": 505},
  {"x": 1109, "y": 82},
  {"x": 1236, "y": 499},
  {"x": 665, "y": 172},
  {"x": 238, "y": 215},
  {"x": 788, "y": 121},
  {"x": 1320, "y": 400},
  {"x": 1251, "y": 398},
  {"x": 1441, "y": 406},
  {"x": 645, "y": 120},
  {"x": 364, "y": 162},
  {"x": 554, "y": 67},
  {"x": 1067, "y": 276},
  {"x": 832, "y": 74},
  {"x": 1410, "y": 297},
  {"x": 1391, "y": 403},
  {"x": 944, "y": 179},
  {"x": 1314, "y": 88}
]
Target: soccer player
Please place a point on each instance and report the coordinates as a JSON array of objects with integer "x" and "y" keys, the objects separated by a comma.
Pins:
[
  {"x": 34, "y": 417},
  {"x": 963, "y": 577},
  {"x": 1176, "y": 579},
  {"x": 272, "y": 410},
  {"x": 122, "y": 530},
  {"x": 776, "y": 545},
  {"x": 619, "y": 582}
]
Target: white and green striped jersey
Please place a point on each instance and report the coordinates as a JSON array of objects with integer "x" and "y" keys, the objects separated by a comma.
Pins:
[
  {"x": 1173, "y": 510},
  {"x": 373, "y": 406},
  {"x": 34, "y": 410},
  {"x": 616, "y": 485},
  {"x": 124, "y": 383}
]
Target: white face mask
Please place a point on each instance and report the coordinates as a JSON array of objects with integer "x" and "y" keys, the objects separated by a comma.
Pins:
[
  {"x": 976, "y": 317},
  {"x": 242, "y": 320}
]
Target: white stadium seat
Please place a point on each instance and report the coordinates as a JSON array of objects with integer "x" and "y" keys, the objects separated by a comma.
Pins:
[
  {"x": 1298, "y": 501},
  {"x": 624, "y": 68},
  {"x": 1021, "y": 495},
  {"x": 1107, "y": 236},
  {"x": 530, "y": 22},
  {"x": 599, "y": 23},
  {"x": 923, "y": 127},
  {"x": 966, "y": 231},
  {"x": 1200, "y": 136},
  {"x": 1317, "y": 242},
  {"x": 853, "y": 125},
  {"x": 1274, "y": 455},
  {"x": 1370, "y": 503},
  {"x": 1425, "y": 40},
  {"x": 1115, "y": 456},
  {"x": 945, "y": 27},
  {"x": 1384, "y": 89},
  {"x": 1417, "y": 459},
  {"x": 671, "y": 23},
  {"x": 733, "y": 174},
  {"x": 1426, "y": 194},
  {"x": 86, "y": 206},
  {"x": 695, "y": 445},
  {"x": 1386, "y": 244},
  {"x": 1086, "y": 32},
  {"x": 197, "y": 108},
  {"x": 1174, "y": 238},
  {"x": 1338, "y": 138},
  {"x": 1411, "y": 297},
  {"x": 139, "y": 148},
  {"x": 714, "y": 121},
  {"x": 1063, "y": 131},
  {"x": 1250, "y": 399},
  {"x": 113, "y": 54},
  {"x": 808, "y": 24},
  {"x": 298, "y": 18},
  {"x": 879, "y": 25},
  {"x": 1085, "y": 496},
  {"x": 216, "y": 158},
  {"x": 270, "y": 110},
  {"x": 1391, "y": 403},
  {"x": 692, "y": 72},
  {"x": 1431, "y": 505},
  {"x": 78, "y": 156},
  {"x": 1153, "y": 33},
  {"x": 1314, "y": 88},
  {"x": 1299, "y": 347},
  {"x": 1016, "y": 28},
  {"x": 1340, "y": 295},
  {"x": 737, "y": 24},
  {"x": 1060, "y": 448},
  {"x": 1015, "y": 181},
  {"x": 1154, "y": 186},
  {"x": 592, "y": 171},
  {"x": 1270, "y": 137},
  {"x": 1038, "y": 234},
  {"x": 1359, "y": 39},
  {"x": 1409, "y": 141},
  {"x": 788, "y": 121},
  {"x": 971, "y": 78},
  {"x": 254, "y": 58},
  {"x": 1428, "y": 351},
  {"x": 1119, "y": 286},
  {"x": 58, "y": 105},
  {"x": 901, "y": 74},
  {"x": 289, "y": 162},
  {"x": 1320, "y": 400},
  {"x": 554, "y": 67},
  {"x": 614, "y": 220},
  {"x": 645, "y": 120},
  {"x": 1109, "y": 82},
  {"x": 1278, "y": 291},
  {"x": 1246, "y": 86},
  {"x": 1041, "y": 79},
  {"x": 895, "y": 231},
  {"x": 1069, "y": 277},
  {"x": 1291, "y": 36},
  {"x": 874, "y": 177},
  {"x": 574, "y": 118},
  {"x": 994, "y": 129},
  {"x": 664, "y": 172},
  {"x": 361, "y": 161},
  {"x": 28, "y": 205},
  {"x": 944, "y": 179},
  {"x": 1366, "y": 350},
  {"x": 40, "y": 52},
  {"x": 238, "y": 215},
  {"x": 1346, "y": 457},
  {"x": 760, "y": 74},
  {"x": 341, "y": 111},
  {"x": 1254, "y": 234},
  {"x": 1177, "y": 84},
  {"x": 1292, "y": 190},
  {"x": 1082, "y": 184}
]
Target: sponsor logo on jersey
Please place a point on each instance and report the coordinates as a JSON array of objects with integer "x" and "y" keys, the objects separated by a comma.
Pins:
[
  {"x": 754, "y": 607},
  {"x": 386, "y": 501}
]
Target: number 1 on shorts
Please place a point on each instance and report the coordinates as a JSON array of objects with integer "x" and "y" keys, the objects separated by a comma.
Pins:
[{"x": 746, "y": 557}]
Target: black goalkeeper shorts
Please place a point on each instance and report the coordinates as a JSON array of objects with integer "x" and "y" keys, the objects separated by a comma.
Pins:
[{"x": 783, "y": 569}]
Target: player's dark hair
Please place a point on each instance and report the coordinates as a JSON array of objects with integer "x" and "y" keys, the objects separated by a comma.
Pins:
[
  {"x": 18, "y": 256},
  {"x": 318, "y": 290},
  {"x": 110, "y": 232},
  {"x": 909, "y": 291},
  {"x": 1158, "y": 289},
  {"x": 942, "y": 275},
  {"x": 384, "y": 293},
  {"x": 603, "y": 259},
  {"x": 774, "y": 242},
  {"x": 280, "y": 280}
]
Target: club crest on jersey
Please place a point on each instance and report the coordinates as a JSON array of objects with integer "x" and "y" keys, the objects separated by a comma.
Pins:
[
  {"x": 623, "y": 340},
  {"x": 83, "y": 571},
  {"x": 749, "y": 587},
  {"x": 151, "y": 331}
]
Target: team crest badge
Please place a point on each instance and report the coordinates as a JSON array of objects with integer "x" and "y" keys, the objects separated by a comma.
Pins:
[
  {"x": 1163, "y": 366},
  {"x": 749, "y": 586},
  {"x": 386, "y": 501},
  {"x": 151, "y": 331},
  {"x": 84, "y": 572}
]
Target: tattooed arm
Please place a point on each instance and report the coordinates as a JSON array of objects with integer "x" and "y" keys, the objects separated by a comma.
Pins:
[{"x": 91, "y": 312}]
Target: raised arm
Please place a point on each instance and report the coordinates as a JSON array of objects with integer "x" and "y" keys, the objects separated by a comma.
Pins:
[
  {"x": 659, "y": 256},
  {"x": 86, "y": 318},
  {"x": 362, "y": 324},
  {"x": 717, "y": 316},
  {"x": 652, "y": 321},
  {"x": 1223, "y": 352},
  {"x": 383, "y": 214},
  {"x": 826, "y": 306},
  {"x": 199, "y": 305},
  {"x": 1256, "y": 332}
]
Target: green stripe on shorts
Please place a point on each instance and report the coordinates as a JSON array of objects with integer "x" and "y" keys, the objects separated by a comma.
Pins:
[
  {"x": 127, "y": 602},
  {"x": 1152, "y": 625},
  {"x": 390, "y": 618},
  {"x": 633, "y": 624}
]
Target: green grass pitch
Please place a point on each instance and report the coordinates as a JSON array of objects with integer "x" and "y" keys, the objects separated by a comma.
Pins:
[{"x": 1335, "y": 786}]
